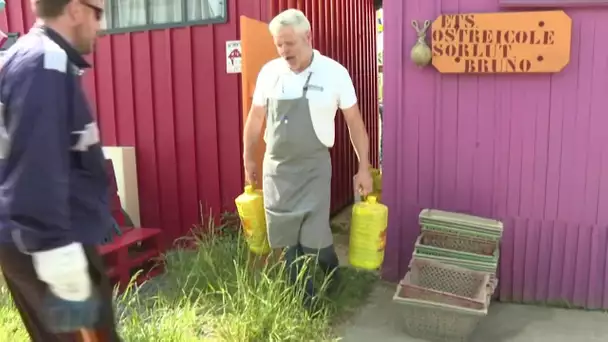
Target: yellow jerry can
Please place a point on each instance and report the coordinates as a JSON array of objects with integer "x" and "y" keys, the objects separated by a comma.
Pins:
[
  {"x": 250, "y": 206},
  {"x": 368, "y": 234}
]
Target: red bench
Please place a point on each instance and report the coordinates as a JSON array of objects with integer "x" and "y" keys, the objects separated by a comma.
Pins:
[{"x": 136, "y": 251}]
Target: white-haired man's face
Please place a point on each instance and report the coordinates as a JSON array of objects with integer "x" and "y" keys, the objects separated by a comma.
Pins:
[{"x": 293, "y": 46}]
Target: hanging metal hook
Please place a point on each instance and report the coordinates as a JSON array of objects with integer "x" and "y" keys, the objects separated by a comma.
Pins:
[
  {"x": 427, "y": 24},
  {"x": 415, "y": 25}
]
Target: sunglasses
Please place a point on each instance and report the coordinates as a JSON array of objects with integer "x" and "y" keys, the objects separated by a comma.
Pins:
[{"x": 98, "y": 11}]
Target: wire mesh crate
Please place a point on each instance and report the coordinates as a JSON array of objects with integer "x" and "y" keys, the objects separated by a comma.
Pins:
[
  {"x": 460, "y": 223},
  {"x": 459, "y": 243},
  {"x": 451, "y": 279},
  {"x": 438, "y": 322},
  {"x": 468, "y": 264},
  {"x": 409, "y": 289},
  {"x": 429, "y": 243}
]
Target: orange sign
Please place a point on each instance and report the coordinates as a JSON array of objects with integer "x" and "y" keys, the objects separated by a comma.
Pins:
[{"x": 515, "y": 42}]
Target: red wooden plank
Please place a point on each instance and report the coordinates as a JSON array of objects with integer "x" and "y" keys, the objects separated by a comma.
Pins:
[
  {"x": 185, "y": 135},
  {"x": 343, "y": 158},
  {"x": 147, "y": 160},
  {"x": 164, "y": 117},
  {"x": 104, "y": 72},
  {"x": 15, "y": 14},
  {"x": 282, "y": 6},
  {"x": 229, "y": 126},
  {"x": 331, "y": 29},
  {"x": 348, "y": 159},
  {"x": 252, "y": 9},
  {"x": 205, "y": 119},
  {"x": 124, "y": 105},
  {"x": 373, "y": 60},
  {"x": 369, "y": 64}
]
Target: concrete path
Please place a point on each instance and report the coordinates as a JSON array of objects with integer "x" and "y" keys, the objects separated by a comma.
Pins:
[{"x": 379, "y": 321}]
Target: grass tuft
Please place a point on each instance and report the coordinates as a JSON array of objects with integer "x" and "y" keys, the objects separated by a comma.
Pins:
[{"x": 211, "y": 293}]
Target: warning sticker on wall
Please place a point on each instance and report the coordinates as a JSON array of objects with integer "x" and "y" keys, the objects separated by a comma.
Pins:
[{"x": 233, "y": 56}]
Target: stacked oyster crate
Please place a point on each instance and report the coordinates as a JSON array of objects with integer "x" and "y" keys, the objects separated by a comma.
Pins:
[{"x": 452, "y": 276}]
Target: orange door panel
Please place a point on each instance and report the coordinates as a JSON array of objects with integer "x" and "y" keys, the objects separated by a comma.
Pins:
[{"x": 257, "y": 49}]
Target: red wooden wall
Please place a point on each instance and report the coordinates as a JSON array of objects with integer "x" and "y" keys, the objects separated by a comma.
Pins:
[
  {"x": 345, "y": 30},
  {"x": 167, "y": 93}
]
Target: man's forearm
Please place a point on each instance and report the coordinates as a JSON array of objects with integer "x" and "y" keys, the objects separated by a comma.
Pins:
[
  {"x": 360, "y": 141},
  {"x": 251, "y": 135}
]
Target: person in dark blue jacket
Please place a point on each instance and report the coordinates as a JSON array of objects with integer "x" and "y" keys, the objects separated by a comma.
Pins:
[{"x": 54, "y": 193}]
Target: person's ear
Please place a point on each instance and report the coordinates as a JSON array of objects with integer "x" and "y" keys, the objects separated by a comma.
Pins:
[{"x": 73, "y": 10}]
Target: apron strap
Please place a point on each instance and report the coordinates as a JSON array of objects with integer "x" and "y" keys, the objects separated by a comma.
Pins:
[{"x": 306, "y": 84}]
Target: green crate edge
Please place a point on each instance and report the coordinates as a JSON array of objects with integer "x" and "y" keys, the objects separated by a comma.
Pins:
[
  {"x": 461, "y": 232},
  {"x": 489, "y": 267}
]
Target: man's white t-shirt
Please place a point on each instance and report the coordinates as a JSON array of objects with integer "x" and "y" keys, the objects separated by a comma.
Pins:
[{"x": 330, "y": 87}]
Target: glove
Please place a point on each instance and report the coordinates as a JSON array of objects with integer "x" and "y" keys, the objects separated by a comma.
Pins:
[{"x": 71, "y": 303}]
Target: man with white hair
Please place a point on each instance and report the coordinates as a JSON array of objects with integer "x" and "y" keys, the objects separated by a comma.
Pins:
[{"x": 299, "y": 94}]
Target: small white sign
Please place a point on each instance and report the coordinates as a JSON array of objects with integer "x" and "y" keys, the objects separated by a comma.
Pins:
[{"x": 233, "y": 56}]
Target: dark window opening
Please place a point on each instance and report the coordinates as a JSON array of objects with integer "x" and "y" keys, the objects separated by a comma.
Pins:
[{"x": 138, "y": 15}]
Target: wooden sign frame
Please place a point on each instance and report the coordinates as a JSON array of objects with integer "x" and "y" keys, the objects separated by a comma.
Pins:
[{"x": 510, "y": 42}]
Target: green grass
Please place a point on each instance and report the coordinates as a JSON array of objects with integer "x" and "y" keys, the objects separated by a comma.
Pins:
[
  {"x": 11, "y": 328},
  {"x": 209, "y": 293}
]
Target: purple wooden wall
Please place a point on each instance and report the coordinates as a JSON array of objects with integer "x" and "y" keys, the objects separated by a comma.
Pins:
[{"x": 531, "y": 150}]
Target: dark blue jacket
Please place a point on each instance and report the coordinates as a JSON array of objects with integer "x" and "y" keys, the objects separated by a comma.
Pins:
[{"x": 53, "y": 184}]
